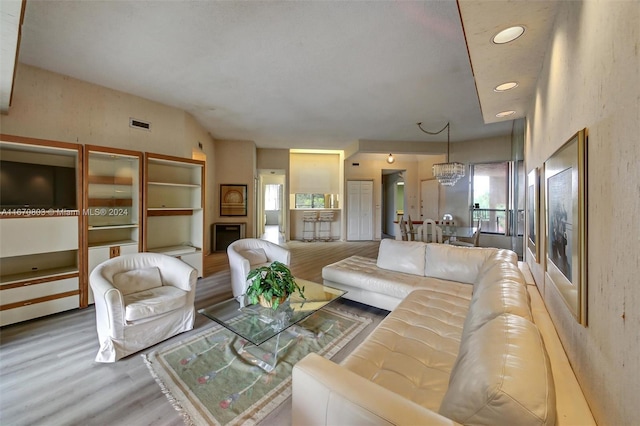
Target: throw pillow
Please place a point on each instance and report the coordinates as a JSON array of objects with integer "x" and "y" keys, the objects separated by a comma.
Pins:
[
  {"x": 255, "y": 256},
  {"x": 137, "y": 280},
  {"x": 401, "y": 256}
]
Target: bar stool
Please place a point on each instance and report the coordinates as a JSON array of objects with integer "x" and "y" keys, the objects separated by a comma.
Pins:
[
  {"x": 309, "y": 220},
  {"x": 324, "y": 231}
]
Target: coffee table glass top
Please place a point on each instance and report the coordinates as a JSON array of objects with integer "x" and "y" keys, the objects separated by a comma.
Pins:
[{"x": 258, "y": 324}]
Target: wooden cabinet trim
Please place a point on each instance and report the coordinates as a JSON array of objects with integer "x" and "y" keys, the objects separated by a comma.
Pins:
[
  {"x": 110, "y": 202},
  {"x": 39, "y": 300},
  {"x": 110, "y": 180},
  {"x": 169, "y": 212},
  {"x": 39, "y": 281}
]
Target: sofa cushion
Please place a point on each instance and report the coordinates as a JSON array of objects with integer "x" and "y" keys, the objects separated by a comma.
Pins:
[
  {"x": 502, "y": 376},
  {"x": 413, "y": 350},
  {"x": 402, "y": 256},
  {"x": 152, "y": 302},
  {"x": 455, "y": 263},
  {"x": 137, "y": 280},
  {"x": 254, "y": 256}
]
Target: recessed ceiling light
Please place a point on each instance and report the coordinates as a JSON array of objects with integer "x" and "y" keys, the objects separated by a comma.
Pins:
[
  {"x": 505, "y": 113},
  {"x": 505, "y": 86},
  {"x": 508, "y": 34}
]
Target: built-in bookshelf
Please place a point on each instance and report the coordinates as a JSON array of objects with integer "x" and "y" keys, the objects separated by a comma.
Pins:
[
  {"x": 112, "y": 204},
  {"x": 174, "y": 208},
  {"x": 40, "y": 224}
]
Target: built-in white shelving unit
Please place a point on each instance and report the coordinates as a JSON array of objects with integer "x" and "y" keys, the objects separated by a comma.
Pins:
[
  {"x": 113, "y": 204},
  {"x": 40, "y": 225},
  {"x": 174, "y": 208}
]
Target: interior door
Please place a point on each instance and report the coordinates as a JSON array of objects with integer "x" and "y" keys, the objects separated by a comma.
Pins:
[
  {"x": 359, "y": 210},
  {"x": 429, "y": 199},
  {"x": 366, "y": 210},
  {"x": 353, "y": 210}
]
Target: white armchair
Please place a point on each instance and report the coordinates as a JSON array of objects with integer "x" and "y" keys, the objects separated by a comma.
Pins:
[
  {"x": 247, "y": 254},
  {"x": 141, "y": 299}
]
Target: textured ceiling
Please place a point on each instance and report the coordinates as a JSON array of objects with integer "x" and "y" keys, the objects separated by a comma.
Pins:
[
  {"x": 283, "y": 74},
  {"x": 519, "y": 61}
]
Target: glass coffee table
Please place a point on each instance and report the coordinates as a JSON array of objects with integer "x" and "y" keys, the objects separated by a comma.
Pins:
[{"x": 257, "y": 324}]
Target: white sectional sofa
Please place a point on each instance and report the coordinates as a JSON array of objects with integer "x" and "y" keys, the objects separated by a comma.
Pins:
[{"x": 461, "y": 345}]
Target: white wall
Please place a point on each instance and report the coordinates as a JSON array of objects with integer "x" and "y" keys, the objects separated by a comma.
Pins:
[
  {"x": 236, "y": 164},
  {"x": 391, "y": 202},
  {"x": 315, "y": 173},
  {"x": 456, "y": 198},
  {"x": 370, "y": 168},
  {"x": 52, "y": 106},
  {"x": 278, "y": 160},
  {"x": 591, "y": 78}
]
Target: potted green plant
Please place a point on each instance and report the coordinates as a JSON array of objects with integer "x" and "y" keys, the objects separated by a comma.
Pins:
[{"x": 271, "y": 285}]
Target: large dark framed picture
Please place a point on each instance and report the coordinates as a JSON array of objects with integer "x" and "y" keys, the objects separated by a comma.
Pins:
[
  {"x": 533, "y": 209},
  {"x": 233, "y": 200},
  {"x": 566, "y": 223}
]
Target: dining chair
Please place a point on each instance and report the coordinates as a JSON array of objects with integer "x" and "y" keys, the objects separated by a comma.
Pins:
[
  {"x": 475, "y": 239},
  {"x": 411, "y": 234},
  {"x": 432, "y": 233},
  {"x": 403, "y": 230}
]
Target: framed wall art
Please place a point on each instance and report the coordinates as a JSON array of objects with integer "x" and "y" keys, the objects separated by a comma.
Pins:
[
  {"x": 533, "y": 209},
  {"x": 233, "y": 200},
  {"x": 566, "y": 223}
]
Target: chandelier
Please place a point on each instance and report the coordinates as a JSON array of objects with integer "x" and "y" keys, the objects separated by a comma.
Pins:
[{"x": 447, "y": 173}]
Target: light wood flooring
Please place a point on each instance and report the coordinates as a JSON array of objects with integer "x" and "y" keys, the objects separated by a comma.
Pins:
[{"x": 48, "y": 375}]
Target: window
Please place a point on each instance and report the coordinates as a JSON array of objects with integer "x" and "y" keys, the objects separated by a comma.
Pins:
[
  {"x": 497, "y": 197},
  {"x": 309, "y": 201},
  {"x": 490, "y": 196},
  {"x": 520, "y": 217},
  {"x": 272, "y": 197}
]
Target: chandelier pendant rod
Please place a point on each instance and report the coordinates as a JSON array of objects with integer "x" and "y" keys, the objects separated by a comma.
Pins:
[
  {"x": 446, "y": 126},
  {"x": 447, "y": 173},
  {"x": 448, "y": 141}
]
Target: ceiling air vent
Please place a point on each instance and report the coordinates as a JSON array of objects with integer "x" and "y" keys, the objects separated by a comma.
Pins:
[{"x": 139, "y": 124}]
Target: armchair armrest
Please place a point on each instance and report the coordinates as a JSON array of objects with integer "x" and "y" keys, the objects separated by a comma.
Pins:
[
  {"x": 239, "y": 268},
  {"x": 277, "y": 253},
  {"x": 100, "y": 285},
  {"x": 109, "y": 304},
  {"x": 325, "y": 393},
  {"x": 178, "y": 274}
]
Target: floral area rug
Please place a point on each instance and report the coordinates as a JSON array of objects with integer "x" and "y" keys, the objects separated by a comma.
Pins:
[{"x": 212, "y": 377}]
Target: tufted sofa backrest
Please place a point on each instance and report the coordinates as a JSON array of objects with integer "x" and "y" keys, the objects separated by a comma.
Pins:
[
  {"x": 502, "y": 374},
  {"x": 444, "y": 261},
  {"x": 462, "y": 264}
]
